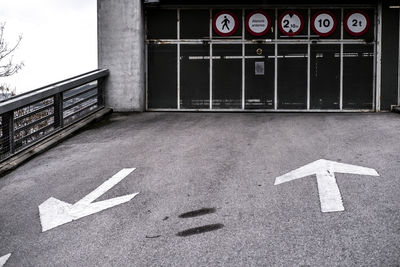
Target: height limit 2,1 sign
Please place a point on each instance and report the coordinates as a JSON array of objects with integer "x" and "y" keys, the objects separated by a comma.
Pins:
[
  {"x": 291, "y": 23},
  {"x": 225, "y": 23},
  {"x": 258, "y": 23}
]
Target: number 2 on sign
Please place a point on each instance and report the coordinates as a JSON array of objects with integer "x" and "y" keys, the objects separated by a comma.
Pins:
[
  {"x": 286, "y": 24},
  {"x": 357, "y": 23}
]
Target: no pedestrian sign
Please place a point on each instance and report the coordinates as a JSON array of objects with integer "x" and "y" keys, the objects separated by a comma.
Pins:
[
  {"x": 291, "y": 23},
  {"x": 258, "y": 23},
  {"x": 324, "y": 23},
  {"x": 225, "y": 23},
  {"x": 356, "y": 23}
]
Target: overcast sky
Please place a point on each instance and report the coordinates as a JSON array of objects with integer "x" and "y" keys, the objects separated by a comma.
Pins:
[{"x": 59, "y": 39}]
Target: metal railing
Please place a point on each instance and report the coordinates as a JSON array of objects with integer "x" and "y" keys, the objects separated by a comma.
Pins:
[{"x": 27, "y": 118}]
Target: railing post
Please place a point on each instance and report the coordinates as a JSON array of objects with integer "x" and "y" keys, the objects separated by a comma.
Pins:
[
  {"x": 58, "y": 111},
  {"x": 7, "y": 121},
  {"x": 101, "y": 83}
]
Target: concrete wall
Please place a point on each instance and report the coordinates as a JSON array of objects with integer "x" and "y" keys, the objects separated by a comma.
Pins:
[{"x": 121, "y": 49}]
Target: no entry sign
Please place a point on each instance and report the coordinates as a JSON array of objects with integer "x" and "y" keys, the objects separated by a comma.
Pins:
[
  {"x": 356, "y": 23},
  {"x": 258, "y": 23},
  {"x": 324, "y": 23},
  {"x": 225, "y": 23},
  {"x": 291, "y": 23}
]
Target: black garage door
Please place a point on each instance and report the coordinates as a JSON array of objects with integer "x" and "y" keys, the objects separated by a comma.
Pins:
[{"x": 270, "y": 59}]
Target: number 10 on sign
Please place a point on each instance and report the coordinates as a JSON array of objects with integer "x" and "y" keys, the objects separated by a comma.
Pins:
[{"x": 324, "y": 23}]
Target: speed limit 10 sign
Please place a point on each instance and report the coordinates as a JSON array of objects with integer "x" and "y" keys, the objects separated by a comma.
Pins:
[
  {"x": 356, "y": 23},
  {"x": 324, "y": 23}
]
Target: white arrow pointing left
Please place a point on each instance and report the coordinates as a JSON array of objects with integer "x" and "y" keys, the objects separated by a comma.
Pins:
[
  {"x": 54, "y": 212},
  {"x": 4, "y": 259}
]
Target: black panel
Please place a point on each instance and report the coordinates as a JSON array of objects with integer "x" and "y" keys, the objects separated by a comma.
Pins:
[
  {"x": 325, "y": 77},
  {"x": 390, "y": 55},
  {"x": 195, "y": 72},
  {"x": 227, "y": 76},
  {"x": 161, "y": 24},
  {"x": 292, "y": 76},
  {"x": 238, "y": 14},
  {"x": 271, "y": 33},
  {"x": 195, "y": 24},
  {"x": 260, "y": 76},
  {"x": 301, "y": 35},
  {"x": 369, "y": 35},
  {"x": 358, "y": 65},
  {"x": 162, "y": 74},
  {"x": 336, "y": 33}
]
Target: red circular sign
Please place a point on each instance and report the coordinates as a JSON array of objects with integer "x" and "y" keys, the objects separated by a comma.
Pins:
[
  {"x": 291, "y": 23},
  {"x": 324, "y": 23},
  {"x": 225, "y": 23},
  {"x": 357, "y": 23},
  {"x": 258, "y": 23}
]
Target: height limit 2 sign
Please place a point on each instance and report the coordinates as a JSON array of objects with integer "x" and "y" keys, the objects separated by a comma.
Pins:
[{"x": 225, "y": 23}]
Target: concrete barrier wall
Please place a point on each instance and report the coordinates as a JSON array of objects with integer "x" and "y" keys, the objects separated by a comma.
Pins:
[{"x": 121, "y": 49}]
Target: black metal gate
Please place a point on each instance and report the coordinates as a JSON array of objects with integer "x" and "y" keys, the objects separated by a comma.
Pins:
[{"x": 264, "y": 59}]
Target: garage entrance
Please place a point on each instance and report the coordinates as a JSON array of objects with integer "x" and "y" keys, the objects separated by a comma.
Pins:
[{"x": 261, "y": 59}]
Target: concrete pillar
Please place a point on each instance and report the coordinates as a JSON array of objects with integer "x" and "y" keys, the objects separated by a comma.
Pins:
[{"x": 121, "y": 50}]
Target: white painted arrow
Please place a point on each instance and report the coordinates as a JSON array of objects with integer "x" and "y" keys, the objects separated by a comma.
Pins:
[
  {"x": 54, "y": 212},
  {"x": 329, "y": 194},
  {"x": 4, "y": 259}
]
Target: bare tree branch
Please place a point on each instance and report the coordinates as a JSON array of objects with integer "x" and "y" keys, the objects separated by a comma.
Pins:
[{"x": 8, "y": 68}]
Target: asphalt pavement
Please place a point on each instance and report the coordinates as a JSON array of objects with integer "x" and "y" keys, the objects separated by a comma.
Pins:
[{"x": 207, "y": 195}]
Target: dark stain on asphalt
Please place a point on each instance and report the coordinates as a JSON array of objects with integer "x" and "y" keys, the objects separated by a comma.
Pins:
[
  {"x": 196, "y": 213},
  {"x": 155, "y": 236},
  {"x": 200, "y": 230}
]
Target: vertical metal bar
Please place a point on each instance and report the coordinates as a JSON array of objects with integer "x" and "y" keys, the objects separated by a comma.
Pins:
[
  {"x": 178, "y": 47},
  {"x": 146, "y": 52},
  {"x": 308, "y": 75},
  {"x": 341, "y": 60},
  {"x": 6, "y": 138},
  {"x": 10, "y": 116},
  {"x": 243, "y": 63},
  {"x": 308, "y": 61},
  {"x": 374, "y": 71},
  {"x": 276, "y": 62},
  {"x": 101, "y": 92},
  {"x": 58, "y": 107},
  {"x": 398, "y": 69},
  {"x": 379, "y": 58},
  {"x": 146, "y": 62},
  {"x": 211, "y": 63}
]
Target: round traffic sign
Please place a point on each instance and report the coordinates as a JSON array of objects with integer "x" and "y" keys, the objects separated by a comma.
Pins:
[
  {"x": 324, "y": 23},
  {"x": 258, "y": 23},
  {"x": 225, "y": 23},
  {"x": 356, "y": 23},
  {"x": 291, "y": 23}
]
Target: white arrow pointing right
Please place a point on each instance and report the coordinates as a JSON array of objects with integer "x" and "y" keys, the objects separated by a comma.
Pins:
[
  {"x": 4, "y": 259},
  {"x": 329, "y": 193}
]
